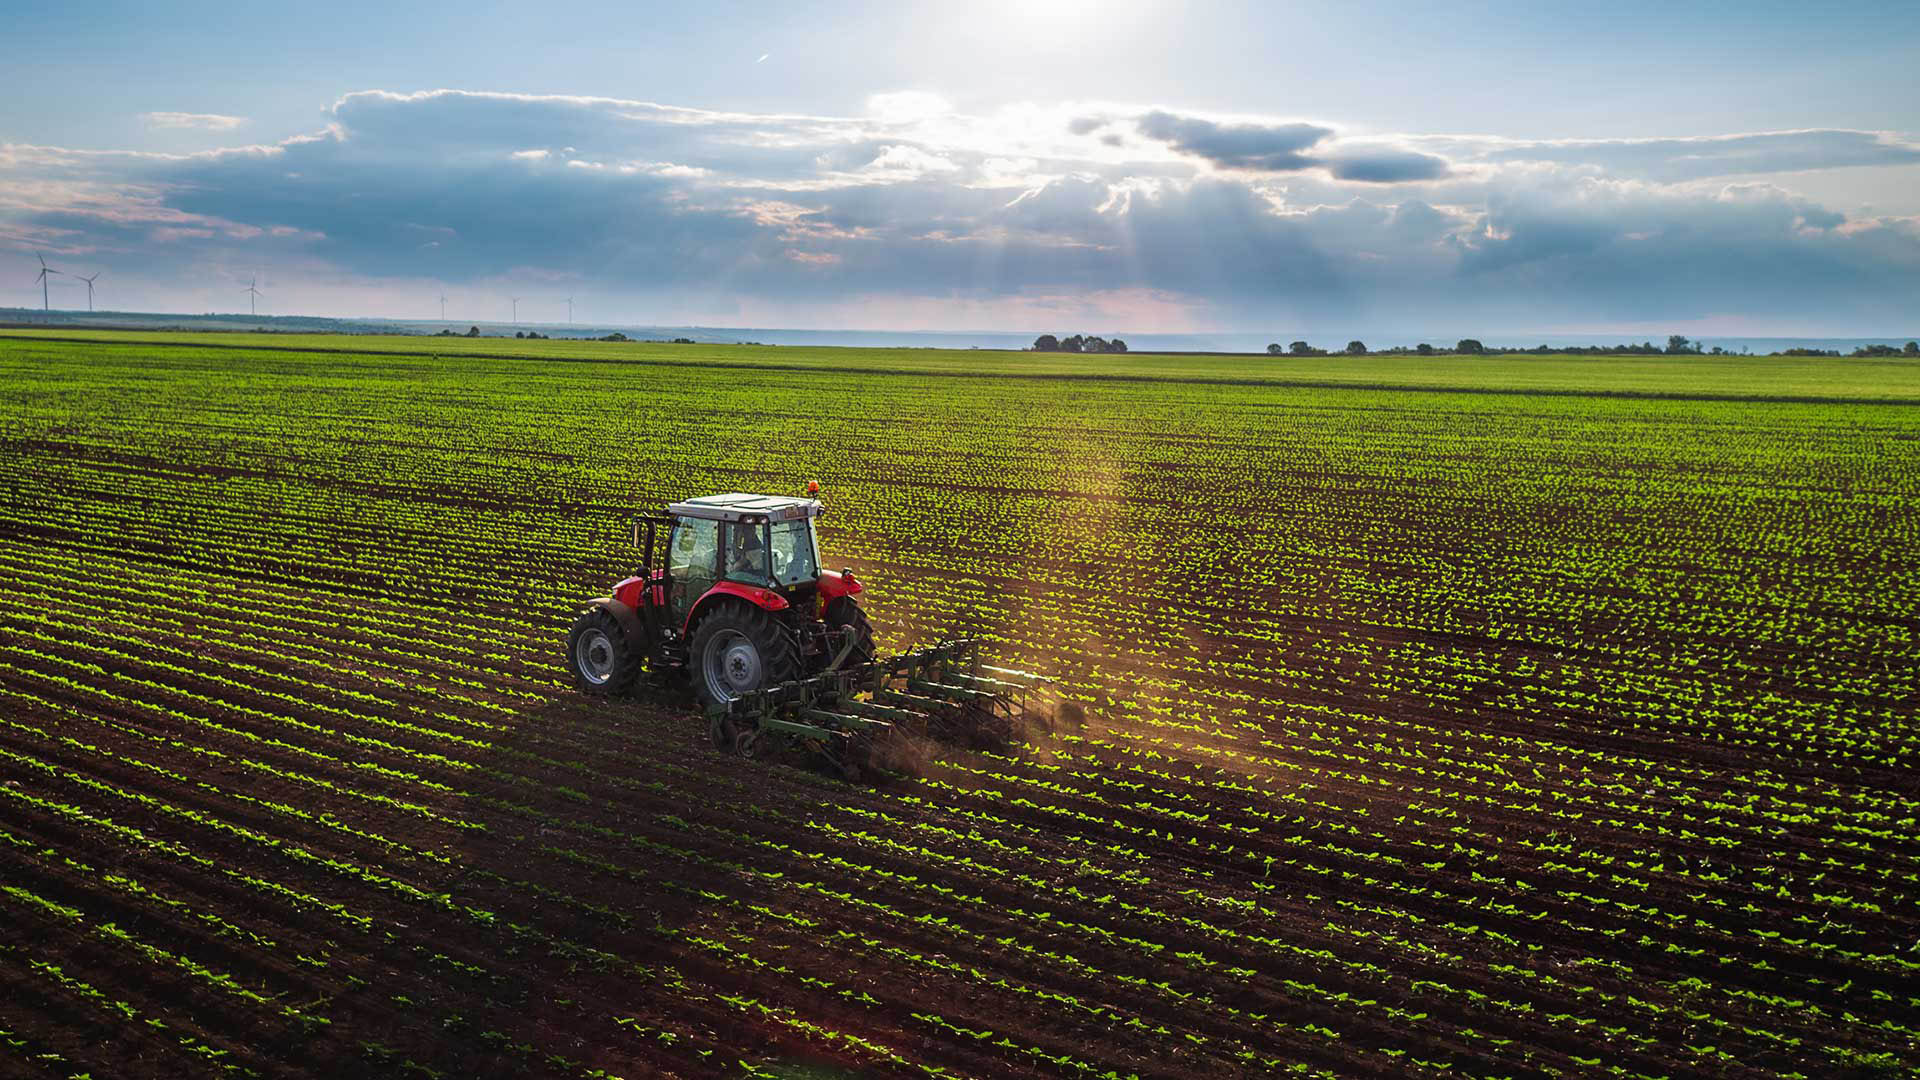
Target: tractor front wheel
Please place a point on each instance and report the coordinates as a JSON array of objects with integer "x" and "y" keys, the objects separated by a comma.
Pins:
[
  {"x": 599, "y": 656},
  {"x": 738, "y": 649}
]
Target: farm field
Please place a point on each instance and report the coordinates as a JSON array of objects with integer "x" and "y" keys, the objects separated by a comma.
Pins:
[{"x": 1466, "y": 718}]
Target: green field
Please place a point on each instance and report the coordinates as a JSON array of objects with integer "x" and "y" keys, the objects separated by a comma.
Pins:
[
  {"x": 1718, "y": 376},
  {"x": 1505, "y": 716}
]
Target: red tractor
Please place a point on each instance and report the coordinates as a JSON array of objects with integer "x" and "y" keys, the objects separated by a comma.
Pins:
[
  {"x": 778, "y": 650},
  {"x": 741, "y": 603}
]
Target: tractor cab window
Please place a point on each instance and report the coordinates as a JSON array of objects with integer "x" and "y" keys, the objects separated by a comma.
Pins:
[
  {"x": 693, "y": 559},
  {"x": 746, "y": 553},
  {"x": 793, "y": 556}
]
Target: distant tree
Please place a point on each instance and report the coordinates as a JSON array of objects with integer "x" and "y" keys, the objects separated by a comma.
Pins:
[
  {"x": 1072, "y": 344},
  {"x": 1301, "y": 348},
  {"x": 1356, "y": 348},
  {"x": 1275, "y": 349},
  {"x": 1876, "y": 350},
  {"x": 1046, "y": 343},
  {"x": 1469, "y": 346},
  {"x": 1912, "y": 348},
  {"x": 1677, "y": 343},
  {"x": 1094, "y": 344},
  {"x": 473, "y": 331},
  {"x": 1116, "y": 345},
  {"x": 1423, "y": 349}
]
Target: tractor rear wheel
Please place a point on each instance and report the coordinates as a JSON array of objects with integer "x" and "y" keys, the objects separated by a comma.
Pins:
[
  {"x": 599, "y": 656},
  {"x": 739, "y": 649},
  {"x": 845, "y": 611}
]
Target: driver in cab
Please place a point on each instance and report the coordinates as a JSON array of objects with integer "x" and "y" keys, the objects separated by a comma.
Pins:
[{"x": 747, "y": 558}]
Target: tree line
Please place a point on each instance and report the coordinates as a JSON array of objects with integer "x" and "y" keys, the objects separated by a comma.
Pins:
[{"x": 1078, "y": 343}]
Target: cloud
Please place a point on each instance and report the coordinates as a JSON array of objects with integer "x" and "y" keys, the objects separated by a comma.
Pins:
[
  {"x": 1384, "y": 165},
  {"x": 199, "y": 121},
  {"x": 907, "y": 163},
  {"x": 1691, "y": 158},
  {"x": 1280, "y": 148},
  {"x": 917, "y": 210},
  {"x": 1269, "y": 148}
]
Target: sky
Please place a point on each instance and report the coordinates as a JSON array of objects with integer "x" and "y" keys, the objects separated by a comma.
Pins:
[{"x": 1056, "y": 165}]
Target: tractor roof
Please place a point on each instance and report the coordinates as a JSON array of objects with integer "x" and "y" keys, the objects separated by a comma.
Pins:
[{"x": 737, "y": 506}]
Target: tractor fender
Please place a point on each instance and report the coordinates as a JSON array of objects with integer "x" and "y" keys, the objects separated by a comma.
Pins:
[
  {"x": 752, "y": 594},
  {"x": 837, "y": 583},
  {"x": 631, "y": 592},
  {"x": 625, "y": 616}
]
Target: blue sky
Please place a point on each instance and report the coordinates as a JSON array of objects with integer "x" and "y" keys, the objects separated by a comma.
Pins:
[{"x": 1137, "y": 167}]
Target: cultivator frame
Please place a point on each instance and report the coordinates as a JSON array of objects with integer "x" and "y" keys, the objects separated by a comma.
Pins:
[{"x": 879, "y": 714}]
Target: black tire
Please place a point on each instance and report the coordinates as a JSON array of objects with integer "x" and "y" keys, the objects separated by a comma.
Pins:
[
  {"x": 845, "y": 611},
  {"x": 599, "y": 657},
  {"x": 738, "y": 648}
]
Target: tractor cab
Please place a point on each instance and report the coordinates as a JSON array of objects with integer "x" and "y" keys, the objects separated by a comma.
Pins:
[{"x": 760, "y": 542}]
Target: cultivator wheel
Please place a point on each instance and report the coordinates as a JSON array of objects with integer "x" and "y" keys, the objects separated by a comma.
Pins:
[
  {"x": 881, "y": 715},
  {"x": 749, "y": 744}
]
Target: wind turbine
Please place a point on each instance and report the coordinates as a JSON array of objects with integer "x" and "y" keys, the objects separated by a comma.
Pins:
[
  {"x": 45, "y": 272},
  {"x": 251, "y": 294},
  {"x": 89, "y": 281},
  {"x": 516, "y": 310},
  {"x": 569, "y": 311},
  {"x": 443, "y": 307}
]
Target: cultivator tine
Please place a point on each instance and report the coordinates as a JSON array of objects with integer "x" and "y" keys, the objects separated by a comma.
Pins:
[
  {"x": 877, "y": 713},
  {"x": 1026, "y": 678},
  {"x": 848, "y": 722},
  {"x": 989, "y": 684}
]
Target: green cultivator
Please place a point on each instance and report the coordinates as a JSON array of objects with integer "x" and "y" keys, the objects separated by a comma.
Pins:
[{"x": 882, "y": 714}]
